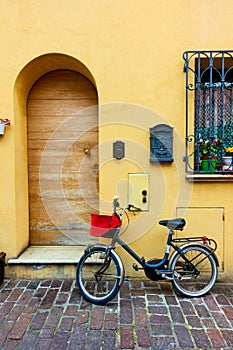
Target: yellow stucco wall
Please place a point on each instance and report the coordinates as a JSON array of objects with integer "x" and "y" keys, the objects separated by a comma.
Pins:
[{"x": 132, "y": 51}]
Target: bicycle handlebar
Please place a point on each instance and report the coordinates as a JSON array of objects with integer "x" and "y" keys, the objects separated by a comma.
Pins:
[{"x": 129, "y": 207}]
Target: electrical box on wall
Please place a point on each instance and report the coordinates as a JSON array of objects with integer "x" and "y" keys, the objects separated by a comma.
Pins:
[{"x": 138, "y": 190}]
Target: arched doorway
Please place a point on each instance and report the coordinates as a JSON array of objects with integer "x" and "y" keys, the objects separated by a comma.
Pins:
[{"x": 62, "y": 120}]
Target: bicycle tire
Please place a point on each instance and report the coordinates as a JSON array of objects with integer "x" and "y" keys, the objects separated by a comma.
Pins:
[
  {"x": 194, "y": 283},
  {"x": 96, "y": 286}
]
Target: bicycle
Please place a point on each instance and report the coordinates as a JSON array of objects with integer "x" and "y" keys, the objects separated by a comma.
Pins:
[{"x": 192, "y": 267}]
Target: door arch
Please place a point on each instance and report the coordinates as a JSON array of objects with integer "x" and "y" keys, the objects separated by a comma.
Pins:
[{"x": 62, "y": 120}]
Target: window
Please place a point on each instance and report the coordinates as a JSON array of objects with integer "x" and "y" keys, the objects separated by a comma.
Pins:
[{"x": 209, "y": 110}]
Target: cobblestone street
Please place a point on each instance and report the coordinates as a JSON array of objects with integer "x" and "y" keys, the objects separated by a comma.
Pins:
[{"x": 45, "y": 314}]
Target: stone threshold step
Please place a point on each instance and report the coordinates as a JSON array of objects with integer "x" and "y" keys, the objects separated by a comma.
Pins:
[{"x": 49, "y": 255}]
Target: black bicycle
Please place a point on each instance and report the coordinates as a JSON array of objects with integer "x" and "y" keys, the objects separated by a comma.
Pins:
[{"x": 192, "y": 267}]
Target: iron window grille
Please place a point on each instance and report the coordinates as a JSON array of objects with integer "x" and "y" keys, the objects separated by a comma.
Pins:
[{"x": 209, "y": 108}]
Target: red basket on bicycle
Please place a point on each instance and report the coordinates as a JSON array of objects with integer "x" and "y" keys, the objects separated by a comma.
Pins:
[{"x": 104, "y": 225}]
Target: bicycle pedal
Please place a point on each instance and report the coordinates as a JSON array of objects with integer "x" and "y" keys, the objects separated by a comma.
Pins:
[{"x": 136, "y": 268}]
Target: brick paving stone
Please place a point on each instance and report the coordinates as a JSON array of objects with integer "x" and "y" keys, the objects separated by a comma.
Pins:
[
  {"x": 11, "y": 344},
  {"x": 137, "y": 293},
  {"x": 4, "y": 295},
  {"x": 143, "y": 337},
  {"x": 15, "y": 294},
  {"x": 141, "y": 318},
  {"x": 166, "y": 289},
  {"x": 194, "y": 321},
  {"x": 154, "y": 299},
  {"x": 171, "y": 300},
  {"x": 46, "y": 283},
  {"x": 47, "y": 333},
  {"x": 183, "y": 337},
  {"x": 77, "y": 339},
  {"x": 14, "y": 313},
  {"x": 139, "y": 302},
  {"x": 158, "y": 310},
  {"x": 221, "y": 320},
  {"x": 60, "y": 341},
  {"x": 75, "y": 297},
  {"x": 6, "y": 308},
  {"x": 66, "y": 324},
  {"x": 202, "y": 311},
  {"x": 208, "y": 322},
  {"x": 176, "y": 314},
  {"x": 135, "y": 285},
  {"x": 97, "y": 318},
  {"x": 53, "y": 317},
  {"x": 211, "y": 303},
  {"x": 163, "y": 343},
  {"x": 228, "y": 311},
  {"x": 33, "y": 284},
  {"x": 28, "y": 342},
  {"x": 71, "y": 310},
  {"x": 187, "y": 307},
  {"x": 66, "y": 286},
  {"x": 109, "y": 341},
  {"x": 32, "y": 305},
  {"x": 38, "y": 321},
  {"x": 56, "y": 284},
  {"x": 62, "y": 298},
  {"x": 25, "y": 297},
  {"x": 40, "y": 293},
  {"x": 200, "y": 338},
  {"x": 23, "y": 284},
  {"x": 161, "y": 329},
  {"x": 228, "y": 336},
  {"x": 20, "y": 327},
  {"x": 125, "y": 290},
  {"x": 127, "y": 337},
  {"x": 49, "y": 298},
  {"x": 111, "y": 322},
  {"x": 83, "y": 317},
  {"x": 93, "y": 340},
  {"x": 160, "y": 319},
  {"x": 5, "y": 329},
  {"x": 126, "y": 315},
  {"x": 216, "y": 338},
  {"x": 43, "y": 344}
]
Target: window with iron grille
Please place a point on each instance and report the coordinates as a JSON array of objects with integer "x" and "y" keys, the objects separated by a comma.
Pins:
[{"x": 209, "y": 111}]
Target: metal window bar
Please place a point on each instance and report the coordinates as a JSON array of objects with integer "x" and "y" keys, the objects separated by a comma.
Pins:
[{"x": 209, "y": 107}]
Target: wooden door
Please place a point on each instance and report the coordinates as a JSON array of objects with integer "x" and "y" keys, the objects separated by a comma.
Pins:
[{"x": 62, "y": 158}]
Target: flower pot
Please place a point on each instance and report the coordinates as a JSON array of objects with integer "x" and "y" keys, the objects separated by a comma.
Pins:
[
  {"x": 209, "y": 165},
  {"x": 2, "y": 128},
  {"x": 227, "y": 163}
]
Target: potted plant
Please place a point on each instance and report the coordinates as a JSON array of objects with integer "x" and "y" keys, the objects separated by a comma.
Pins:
[
  {"x": 208, "y": 150},
  {"x": 227, "y": 159},
  {"x": 3, "y": 123}
]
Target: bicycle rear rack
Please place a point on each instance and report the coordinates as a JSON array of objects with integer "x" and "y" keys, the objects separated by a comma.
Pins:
[{"x": 209, "y": 242}]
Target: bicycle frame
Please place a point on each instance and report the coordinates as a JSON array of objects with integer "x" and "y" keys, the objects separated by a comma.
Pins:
[{"x": 158, "y": 267}]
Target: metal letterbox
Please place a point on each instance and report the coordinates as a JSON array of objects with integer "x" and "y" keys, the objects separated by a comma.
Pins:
[{"x": 161, "y": 143}]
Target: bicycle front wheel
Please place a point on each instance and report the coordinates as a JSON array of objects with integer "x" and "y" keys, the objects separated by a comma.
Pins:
[
  {"x": 99, "y": 275},
  {"x": 198, "y": 274}
]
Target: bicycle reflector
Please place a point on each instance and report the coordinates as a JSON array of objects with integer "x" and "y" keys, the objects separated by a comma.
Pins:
[{"x": 104, "y": 225}]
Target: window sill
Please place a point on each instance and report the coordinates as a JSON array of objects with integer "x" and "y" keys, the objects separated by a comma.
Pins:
[{"x": 209, "y": 177}]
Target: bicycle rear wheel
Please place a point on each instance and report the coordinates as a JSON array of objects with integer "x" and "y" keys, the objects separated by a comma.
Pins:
[
  {"x": 99, "y": 275},
  {"x": 198, "y": 276}
]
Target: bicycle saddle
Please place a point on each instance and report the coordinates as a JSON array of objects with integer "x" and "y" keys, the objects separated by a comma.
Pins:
[{"x": 175, "y": 224}]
